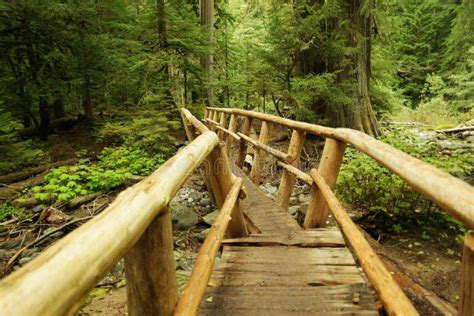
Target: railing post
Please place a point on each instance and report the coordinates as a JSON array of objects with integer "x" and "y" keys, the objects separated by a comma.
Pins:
[
  {"x": 215, "y": 116},
  {"x": 222, "y": 123},
  {"x": 259, "y": 158},
  {"x": 232, "y": 127},
  {"x": 466, "y": 304},
  {"x": 288, "y": 179},
  {"x": 246, "y": 127},
  {"x": 219, "y": 165},
  {"x": 329, "y": 166},
  {"x": 150, "y": 270}
]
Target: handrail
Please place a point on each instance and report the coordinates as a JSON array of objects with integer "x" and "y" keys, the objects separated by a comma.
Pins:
[
  {"x": 189, "y": 301},
  {"x": 65, "y": 272},
  {"x": 451, "y": 194},
  {"x": 393, "y": 298}
]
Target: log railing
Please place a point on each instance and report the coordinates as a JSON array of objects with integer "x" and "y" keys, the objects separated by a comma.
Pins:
[
  {"x": 451, "y": 194},
  {"x": 136, "y": 227}
]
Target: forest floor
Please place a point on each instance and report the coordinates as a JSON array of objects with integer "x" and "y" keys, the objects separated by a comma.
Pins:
[{"x": 426, "y": 262}]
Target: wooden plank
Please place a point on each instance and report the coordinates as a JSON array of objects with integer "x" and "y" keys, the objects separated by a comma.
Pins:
[
  {"x": 466, "y": 304},
  {"x": 191, "y": 298},
  {"x": 288, "y": 179},
  {"x": 331, "y": 159},
  {"x": 352, "y": 299},
  {"x": 291, "y": 256},
  {"x": 150, "y": 270},
  {"x": 393, "y": 298},
  {"x": 263, "y": 212},
  {"x": 222, "y": 124},
  {"x": 316, "y": 238}
]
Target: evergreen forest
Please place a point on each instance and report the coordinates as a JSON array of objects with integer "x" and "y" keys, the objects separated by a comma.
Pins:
[{"x": 91, "y": 92}]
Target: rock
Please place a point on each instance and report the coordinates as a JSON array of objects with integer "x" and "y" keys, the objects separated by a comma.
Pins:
[
  {"x": 210, "y": 218},
  {"x": 195, "y": 195},
  {"x": 205, "y": 201},
  {"x": 303, "y": 198},
  {"x": 184, "y": 260},
  {"x": 203, "y": 234},
  {"x": 293, "y": 200},
  {"x": 293, "y": 210},
  {"x": 183, "y": 216},
  {"x": 190, "y": 200}
]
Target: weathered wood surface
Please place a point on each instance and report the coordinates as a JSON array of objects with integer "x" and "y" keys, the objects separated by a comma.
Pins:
[
  {"x": 321, "y": 237},
  {"x": 190, "y": 299},
  {"x": 285, "y": 270},
  {"x": 392, "y": 296},
  {"x": 262, "y": 212},
  {"x": 288, "y": 280}
]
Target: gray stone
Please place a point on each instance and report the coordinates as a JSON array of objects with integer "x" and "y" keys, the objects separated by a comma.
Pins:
[
  {"x": 303, "y": 198},
  {"x": 183, "y": 216},
  {"x": 205, "y": 201},
  {"x": 293, "y": 200},
  {"x": 195, "y": 195},
  {"x": 210, "y": 218},
  {"x": 292, "y": 210},
  {"x": 203, "y": 234}
]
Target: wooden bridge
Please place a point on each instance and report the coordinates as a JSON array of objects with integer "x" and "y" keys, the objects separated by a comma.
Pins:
[{"x": 269, "y": 264}]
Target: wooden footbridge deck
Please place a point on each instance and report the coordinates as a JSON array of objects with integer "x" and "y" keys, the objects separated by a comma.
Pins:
[{"x": 269, "y": 264}]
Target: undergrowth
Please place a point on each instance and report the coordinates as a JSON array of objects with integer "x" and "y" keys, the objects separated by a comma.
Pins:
[
  {"x": 392, "y": 206},
  {"x": 113, "y": 169}
]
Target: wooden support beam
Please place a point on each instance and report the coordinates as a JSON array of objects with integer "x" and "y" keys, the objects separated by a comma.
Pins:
[
  {"x": 212, "y": 122},
  {"x": 150, "y": 270},
  {"x": 231, "y": 134},
  {"x": 246, "y": 127},
  {"x": 272, "y": 151},
  {"x": 62, "y": 274},
  {"x": 215, "y": 116},
  {"x": 232, "y": 128},
  {"x": 329, "y": 166},
  {"x": 222, "y": 179},
  {"x": 288, "y": 179},
  {"x": 392, "y": 297},
  {"x": 466, "y": 303},
  {"x": 190, "y": 300},
  {"x": 297, "y": 173},
  {"x": 222, "y": 124},
  {"x": 260, "y": 155}
]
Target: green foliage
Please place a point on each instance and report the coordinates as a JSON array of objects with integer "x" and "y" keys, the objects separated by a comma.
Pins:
[
  {"x": 114, "y": 167},
  {"x": 15, "y": 154},
  {"x": 388, "y": 201},
  {"x": 145, "y": 128},
  {"x": 8, "y": 211}
]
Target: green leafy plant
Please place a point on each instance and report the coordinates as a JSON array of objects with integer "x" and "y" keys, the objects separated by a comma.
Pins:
[
  {"x": 390, "y": 203},
  {"x": 8, "y": 211},
  {"x": 114, "y": 167}
]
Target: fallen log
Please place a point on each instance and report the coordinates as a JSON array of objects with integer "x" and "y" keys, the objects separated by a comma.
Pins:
[
  {"x": 456, "y": 130},
  {"x": 426, "y": 302},
  {"x": 26, "y": 173},
  {"x": 62, "y": 123}
]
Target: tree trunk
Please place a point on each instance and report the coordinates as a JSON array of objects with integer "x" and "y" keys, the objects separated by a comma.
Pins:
[
  {"x": 207, "y": 59},
  {"x": 87, "y": 99},
  {"x": 58, "y": 109},
  {"x": 163, "y": 44},
  {"x": 364, "y": 117},
  {"x": 44, "y": 118}
]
